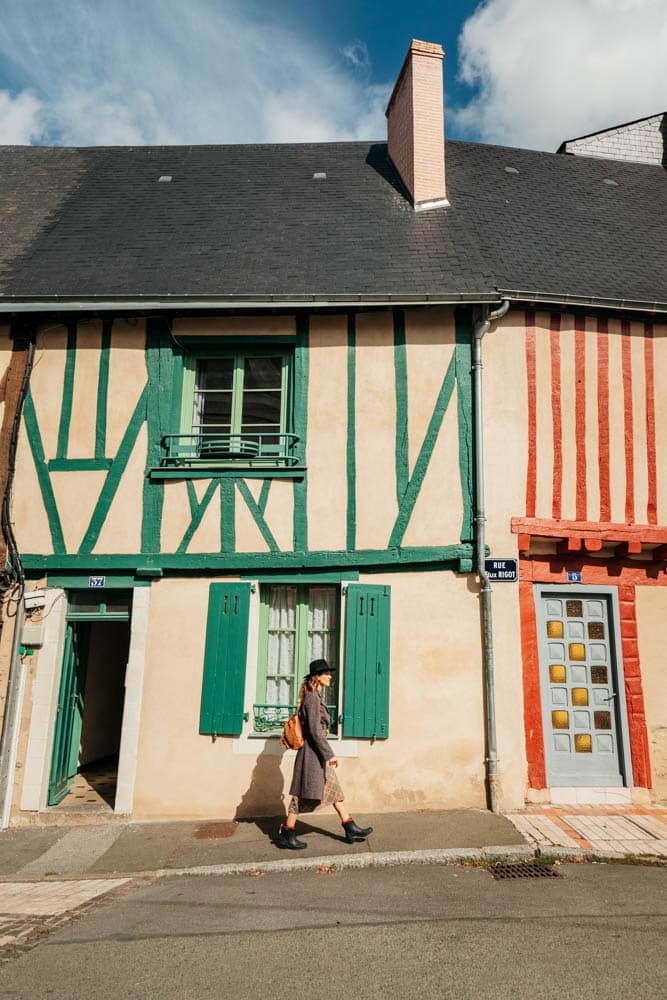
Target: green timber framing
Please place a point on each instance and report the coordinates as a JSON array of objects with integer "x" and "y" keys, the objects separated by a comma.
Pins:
[{"x": 159, "y": 406}]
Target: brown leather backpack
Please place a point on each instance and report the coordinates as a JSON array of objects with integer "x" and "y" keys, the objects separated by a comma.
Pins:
[{"x": 292, "y": 738}]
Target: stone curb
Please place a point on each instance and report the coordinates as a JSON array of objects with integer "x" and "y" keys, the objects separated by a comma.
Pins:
[{"x": 380, "y": 859}]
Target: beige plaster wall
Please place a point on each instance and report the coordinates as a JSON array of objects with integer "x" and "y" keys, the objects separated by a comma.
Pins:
[
  {"x": 377, "y": 507},
  {"x": 652, "y": 634},
  {"x": 505, "y": 430},
  {"x": 326, "y": 456},
  {"x": 31, "y": 524},
  {"x": 81, "y": 442},
  {"x": 127, "y": 377},
  {"x": 433, "y": 758},
  {"x": 660, "y": 369},
  {"x": 438, "y": 511}
]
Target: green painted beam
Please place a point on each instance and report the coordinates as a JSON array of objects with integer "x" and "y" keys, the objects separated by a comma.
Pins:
[
  {"x": 103, "y": 391},
  {"x": 258, "y": 515},
  {"x": 401, "y": 390},
  {"x": 114, "y": 475},
  {"x": 68, "y": 393},
  {"x": 48, "y": 496},
  {"x": 351, "y": 516},
  {"x": 421, "y": 465},
  {"x": 301, "y": 349},
  {"x": 294, "y": 472},
  {"x": 222, "y": 561},
  {"x": 463, "y": 356}
]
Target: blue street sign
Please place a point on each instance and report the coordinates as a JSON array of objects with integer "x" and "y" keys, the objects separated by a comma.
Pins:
[
  {"x": 505, "y": 570},
  {"x": 574, "y": 577}
]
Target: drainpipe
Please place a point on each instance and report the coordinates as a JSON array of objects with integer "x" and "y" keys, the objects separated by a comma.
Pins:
[{"x": 491, "y": 760}]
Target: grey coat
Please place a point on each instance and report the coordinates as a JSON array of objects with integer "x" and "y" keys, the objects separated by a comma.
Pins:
[{"x": 308, "y": 777}]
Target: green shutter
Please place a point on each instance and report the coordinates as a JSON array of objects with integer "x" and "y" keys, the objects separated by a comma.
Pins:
[
  {"x": 225, "y": 659},
  {"x": 366, "y": 691}
]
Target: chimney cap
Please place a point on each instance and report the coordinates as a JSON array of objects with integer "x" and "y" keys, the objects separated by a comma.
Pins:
[{"x": 431, "y": 50}]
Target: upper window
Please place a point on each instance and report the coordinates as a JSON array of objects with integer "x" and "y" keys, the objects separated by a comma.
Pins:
[{"x": 235, "y": 408}]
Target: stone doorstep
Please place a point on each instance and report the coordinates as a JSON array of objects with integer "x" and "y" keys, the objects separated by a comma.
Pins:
[{"x": 640, "y": 830}]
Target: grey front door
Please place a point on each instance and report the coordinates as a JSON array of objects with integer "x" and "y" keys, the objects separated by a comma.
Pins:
[{"x": 579, "y": 674}]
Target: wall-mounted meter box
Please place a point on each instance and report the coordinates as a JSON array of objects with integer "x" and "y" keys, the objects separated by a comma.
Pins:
[
  {"x": 34, "y": 599},
  {"x": 32, "y": 635}
]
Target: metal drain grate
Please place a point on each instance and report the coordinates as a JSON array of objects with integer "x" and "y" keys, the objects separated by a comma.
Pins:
[{"x": 523, "y": 869}]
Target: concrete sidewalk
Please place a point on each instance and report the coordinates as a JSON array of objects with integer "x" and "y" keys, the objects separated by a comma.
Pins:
[
  {"x": 119, "y": 849},
  {"x": 224, "y": 847}
]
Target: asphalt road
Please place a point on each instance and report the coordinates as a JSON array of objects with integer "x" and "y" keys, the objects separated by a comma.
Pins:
[{"x": 423, "y": 932}]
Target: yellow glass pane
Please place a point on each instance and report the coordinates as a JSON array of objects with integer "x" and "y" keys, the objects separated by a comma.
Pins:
[
  {"x": 583, "y": 743},
  {"x": 579, "y": 696},
  {"x": 560, "y": 720},
  {"x": 555, "y": 630},
  {"x": 577, "y": 651},
  {"x": 557, "y": 674}
]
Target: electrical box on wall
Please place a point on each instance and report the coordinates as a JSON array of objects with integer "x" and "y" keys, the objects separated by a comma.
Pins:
[
  {"x": 34, "y": 599},
  {"x": 32, "y": 635}
]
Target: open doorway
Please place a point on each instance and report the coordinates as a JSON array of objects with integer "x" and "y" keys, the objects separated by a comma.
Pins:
[{"x": 84, "y": 765}]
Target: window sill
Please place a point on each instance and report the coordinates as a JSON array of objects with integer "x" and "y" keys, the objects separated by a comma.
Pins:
[
  {"x": 252, "y": 744},
  {"x": 240, "y": 471}
]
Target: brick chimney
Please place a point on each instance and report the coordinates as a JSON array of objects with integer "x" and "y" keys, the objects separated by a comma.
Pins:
[{"x": 416, "y": 125}]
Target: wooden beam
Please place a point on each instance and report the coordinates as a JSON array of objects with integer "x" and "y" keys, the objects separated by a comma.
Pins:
[
  {"x": 631, "y": 547},
  {"x": 524, "y": 545},
  {"x": 568, "y": 546},
  {"x": 592, "y": 544}
]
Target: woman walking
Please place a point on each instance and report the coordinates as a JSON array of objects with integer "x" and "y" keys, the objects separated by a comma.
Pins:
[{"x": 315, "y": 782}]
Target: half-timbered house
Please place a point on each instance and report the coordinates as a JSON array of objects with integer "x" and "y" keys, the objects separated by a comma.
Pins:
[{"x": 249, "y": 440}]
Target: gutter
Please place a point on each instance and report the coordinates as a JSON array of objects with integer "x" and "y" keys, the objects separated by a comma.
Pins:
[
  {"x": 145, "y": 303},
  {"x": 164, "y": 301},
  {"x": 491, "y": 760}
]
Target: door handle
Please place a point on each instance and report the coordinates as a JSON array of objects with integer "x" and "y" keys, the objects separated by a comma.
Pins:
[{"x": 611, "y": 696}]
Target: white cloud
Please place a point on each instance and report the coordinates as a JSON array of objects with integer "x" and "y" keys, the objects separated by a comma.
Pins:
[
  {"x": 548, "y": 71},
  {"x": 357, "y": 53},
  {"x": 163, "y": 71},
  {"x": 20, "y": 118}
]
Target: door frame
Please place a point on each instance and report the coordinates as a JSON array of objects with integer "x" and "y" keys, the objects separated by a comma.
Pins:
[
  {"x": 34, "y": 787},
  {"x": 618, "y": 674}
]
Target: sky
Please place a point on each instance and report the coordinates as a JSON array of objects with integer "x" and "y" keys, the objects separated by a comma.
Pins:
[{"x": 126, "y": 72}]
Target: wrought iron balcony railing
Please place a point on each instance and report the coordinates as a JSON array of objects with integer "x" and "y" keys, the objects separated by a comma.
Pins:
[
  {"x": 272, "y": 718},
  {"x": 215, "y": 448}
]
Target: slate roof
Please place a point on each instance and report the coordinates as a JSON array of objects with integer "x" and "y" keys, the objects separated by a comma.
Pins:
[{"x": 250, "y": 221}]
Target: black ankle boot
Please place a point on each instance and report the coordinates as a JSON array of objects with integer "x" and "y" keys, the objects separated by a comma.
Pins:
[
  {"x": 353, "y": 833},
  {"x": 287, "y": 838}
]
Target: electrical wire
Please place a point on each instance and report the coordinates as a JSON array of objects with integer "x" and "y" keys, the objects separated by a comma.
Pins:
[{"x": 12, "y": 579}]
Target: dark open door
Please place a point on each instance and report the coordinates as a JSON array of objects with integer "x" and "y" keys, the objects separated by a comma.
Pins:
[{"x": 69, "y": 716}]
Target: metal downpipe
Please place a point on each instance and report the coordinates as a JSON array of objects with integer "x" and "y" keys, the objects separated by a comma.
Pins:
[{"x": 491, "y": 760}]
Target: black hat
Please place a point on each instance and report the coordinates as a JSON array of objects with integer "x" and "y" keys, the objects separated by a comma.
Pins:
[{"x": 319, "y": 667}]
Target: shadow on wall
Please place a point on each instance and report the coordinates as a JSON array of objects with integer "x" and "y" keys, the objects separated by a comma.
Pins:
[
  {"x": 264, "y": 796},
  {"x": 663, "y": 132}
]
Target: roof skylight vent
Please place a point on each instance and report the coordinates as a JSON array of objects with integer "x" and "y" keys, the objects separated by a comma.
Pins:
[
  {"x": 610, "y": 182},
  {"x": 511, "y": 170},
  {"x": 164, "y": 179},
  {"x": 320, "y": 177}
]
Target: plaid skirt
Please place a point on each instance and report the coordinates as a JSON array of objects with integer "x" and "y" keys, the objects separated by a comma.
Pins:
[{"x": 332, "y": 793}]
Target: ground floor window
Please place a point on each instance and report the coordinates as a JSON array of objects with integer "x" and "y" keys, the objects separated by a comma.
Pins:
[{"x": 297, "y": 624}]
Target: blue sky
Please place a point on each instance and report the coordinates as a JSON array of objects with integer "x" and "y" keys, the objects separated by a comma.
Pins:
[{"x": 517, "y": 72}]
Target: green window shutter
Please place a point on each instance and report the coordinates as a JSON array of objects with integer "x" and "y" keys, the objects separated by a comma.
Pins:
[
  {"x": 366, "y": 690},
  {"x": 225, "y": 659}
]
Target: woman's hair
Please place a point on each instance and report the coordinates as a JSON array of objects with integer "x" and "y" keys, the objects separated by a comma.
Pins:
[{"x": 309, "y": 685}]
